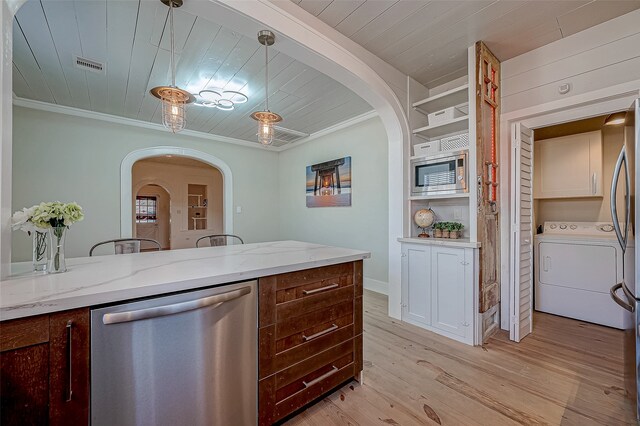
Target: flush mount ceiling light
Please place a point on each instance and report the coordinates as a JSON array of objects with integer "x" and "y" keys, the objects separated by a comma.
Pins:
[
  {"x": 616, "y": 118},
  {"x": 173, "y": 98},
  {"x": 266, "y": 119},
  {"x": 224, "y": 100}
]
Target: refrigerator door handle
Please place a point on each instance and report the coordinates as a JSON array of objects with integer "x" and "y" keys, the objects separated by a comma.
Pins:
[
  {"x": 614, "y": 192},
  {"x": 614, "y": 295}
]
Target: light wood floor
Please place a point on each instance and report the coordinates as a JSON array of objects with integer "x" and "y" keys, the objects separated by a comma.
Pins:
[{"x": 566, "y": 373}]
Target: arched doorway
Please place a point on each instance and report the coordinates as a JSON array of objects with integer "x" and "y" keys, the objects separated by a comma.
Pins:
[
  {"x": 152, "y": 209},
  {"x": 127, "y": 191},
  {"x": 176, "y": 200}
]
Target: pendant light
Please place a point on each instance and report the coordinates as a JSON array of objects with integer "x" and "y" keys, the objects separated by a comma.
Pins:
[
  {"x": 266, "y": 119},
  {"x": 173, "y": 98}
]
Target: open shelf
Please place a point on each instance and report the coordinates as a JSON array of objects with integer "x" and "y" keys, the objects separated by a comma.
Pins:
[
  {"x": 455, "y": 96},
  {"x": 456, "y": 125},
  {"x": 439, "y": 196},
  {"x": 197, "y": 209}
]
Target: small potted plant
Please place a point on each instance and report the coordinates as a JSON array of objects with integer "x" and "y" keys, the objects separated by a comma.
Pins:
[
  {"x": 455, "y": 230},
  {"x": 437, "y": 229},
  {"x": 445, "y": 229}
]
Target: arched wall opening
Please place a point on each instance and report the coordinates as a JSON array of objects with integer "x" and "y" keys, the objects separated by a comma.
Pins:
[
  {"x": 196, "y": 191},
  {"x": 152, "y": 211},
  {"x": 180, "y": 209}
]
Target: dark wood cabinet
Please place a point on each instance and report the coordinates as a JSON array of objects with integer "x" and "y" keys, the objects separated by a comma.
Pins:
[
  {"x": 45, "y": 369},
  {"x": 310, "y": 336}
]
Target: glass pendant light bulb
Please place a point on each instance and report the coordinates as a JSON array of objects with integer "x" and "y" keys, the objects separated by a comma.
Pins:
[
  {"x": 173, "y": 114},
  {"x": 265, "y": 132}
]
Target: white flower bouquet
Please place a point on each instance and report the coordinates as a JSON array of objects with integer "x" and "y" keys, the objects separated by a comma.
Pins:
[
  {"x": 56, "y": 214},
  {"x": 21, "y": 220}
]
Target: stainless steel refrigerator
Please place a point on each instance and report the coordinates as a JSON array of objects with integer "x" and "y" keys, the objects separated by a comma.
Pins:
[{"x": 627, "y": 293}]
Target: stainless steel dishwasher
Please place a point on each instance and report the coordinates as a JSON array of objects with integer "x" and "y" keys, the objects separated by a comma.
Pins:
[{"x": 184, "y": 359}]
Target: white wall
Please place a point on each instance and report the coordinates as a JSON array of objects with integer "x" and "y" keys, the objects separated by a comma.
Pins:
[
  {"x": 176, "y": 179},
  {"x": 599, "y": 57},
  {"x": 66, "y": 158},
  {"x": 364, "y": 225}
]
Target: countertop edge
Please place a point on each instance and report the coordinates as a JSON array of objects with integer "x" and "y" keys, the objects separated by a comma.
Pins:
[
  {"x": 447, "y": 242},
  {"x": 120, "y": 295}
]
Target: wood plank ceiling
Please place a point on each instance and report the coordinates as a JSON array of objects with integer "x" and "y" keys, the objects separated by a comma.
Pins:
[
  {"x": 428, "y": 39},
  {"x": 131, "y": 39}
]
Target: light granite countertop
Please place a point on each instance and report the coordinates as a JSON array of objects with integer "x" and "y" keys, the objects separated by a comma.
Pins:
[
  {"x": 460, "y": 242},
  {"x": 98, "y": 280}
]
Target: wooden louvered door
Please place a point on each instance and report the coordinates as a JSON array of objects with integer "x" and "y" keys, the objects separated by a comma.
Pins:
[{"x": 521, "y": 277}]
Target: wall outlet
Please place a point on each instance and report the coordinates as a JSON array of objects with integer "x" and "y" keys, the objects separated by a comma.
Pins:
[
  {"x": 457, "y": 213},
  {"x": 238, "y": 209}
]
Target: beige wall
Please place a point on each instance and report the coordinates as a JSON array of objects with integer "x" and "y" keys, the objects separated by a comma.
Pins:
[
  {"x": 587, "y": 209},
  {"x": 175, "y": 179},
  {"x": 365, "y": 224}
]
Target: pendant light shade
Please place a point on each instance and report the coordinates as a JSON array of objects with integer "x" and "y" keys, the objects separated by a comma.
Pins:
[
  {"x": 173, "y": 106},
  {"x": 616, "y": 118},
  {"x": 266, "y": 119},
  {"x": 173, "y": 98}
]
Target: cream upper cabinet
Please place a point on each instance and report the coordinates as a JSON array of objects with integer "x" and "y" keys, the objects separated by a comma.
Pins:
[{"x": 568, "y": 167}]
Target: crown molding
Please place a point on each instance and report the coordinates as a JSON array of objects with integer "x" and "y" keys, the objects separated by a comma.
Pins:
[
  {"x": 336, "y": 127},
  {"x": 77, "y": 112}
]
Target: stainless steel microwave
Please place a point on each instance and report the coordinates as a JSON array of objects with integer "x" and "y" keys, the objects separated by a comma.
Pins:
[{"x": 440, "y": 174}]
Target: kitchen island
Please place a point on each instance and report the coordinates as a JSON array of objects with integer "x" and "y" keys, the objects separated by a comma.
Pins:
[{"x": 309, "y": 322}]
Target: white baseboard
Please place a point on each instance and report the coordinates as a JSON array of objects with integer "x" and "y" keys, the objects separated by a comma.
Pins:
[{"x": 375, "y": 285}]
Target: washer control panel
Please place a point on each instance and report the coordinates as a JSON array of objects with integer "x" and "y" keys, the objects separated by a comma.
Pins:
[{"x": 600, "y": 229}]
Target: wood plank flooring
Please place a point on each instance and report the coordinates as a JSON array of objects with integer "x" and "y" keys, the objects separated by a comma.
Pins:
[{"x": 566, "y": 373}]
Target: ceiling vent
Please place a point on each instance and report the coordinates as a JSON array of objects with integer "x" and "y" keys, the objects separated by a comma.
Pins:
[
  {"x": 89, "y": 65},
  {"x": 284, "y": 136}
]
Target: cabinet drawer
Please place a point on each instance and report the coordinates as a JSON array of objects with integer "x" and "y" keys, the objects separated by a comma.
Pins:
[
  {"x": 301, "y": 284},
  {"x": 305, "y": 381},
  {"x": 319, "y": 298},
  {"x": 313, "y": 321},
  {"x": 296, "y": 353}
]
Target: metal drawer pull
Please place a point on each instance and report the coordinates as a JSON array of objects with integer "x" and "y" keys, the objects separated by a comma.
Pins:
[
  {"x": 217, "y": 299},
  {"x": 320, "y": 333},
  {"x": 321, "y": 378},
  {"x": 69, "y": 361},
  {"x": 318, "y": 290}
]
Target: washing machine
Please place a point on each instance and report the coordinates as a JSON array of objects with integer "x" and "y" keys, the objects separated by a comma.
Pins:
[{"x": 576, "y": 265}]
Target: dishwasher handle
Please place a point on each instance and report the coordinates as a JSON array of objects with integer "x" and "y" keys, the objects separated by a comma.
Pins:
[{"x": 176, "y": 308}]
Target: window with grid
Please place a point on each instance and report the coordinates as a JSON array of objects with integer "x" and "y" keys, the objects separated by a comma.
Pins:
[{"x": 146, "y": 208}]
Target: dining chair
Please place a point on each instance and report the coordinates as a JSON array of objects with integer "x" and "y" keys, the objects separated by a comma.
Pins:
[
  {"x": 127, "y": 245},
  {"x": 219, "y": 240}
]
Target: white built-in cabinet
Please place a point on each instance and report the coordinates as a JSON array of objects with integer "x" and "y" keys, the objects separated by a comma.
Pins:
[
  {"x": 568, "y": 166},
  {"x": 437, "y": 289}
]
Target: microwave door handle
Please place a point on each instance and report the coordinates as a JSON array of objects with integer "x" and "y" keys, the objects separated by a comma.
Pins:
[{"x": 614, "y": 196}]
